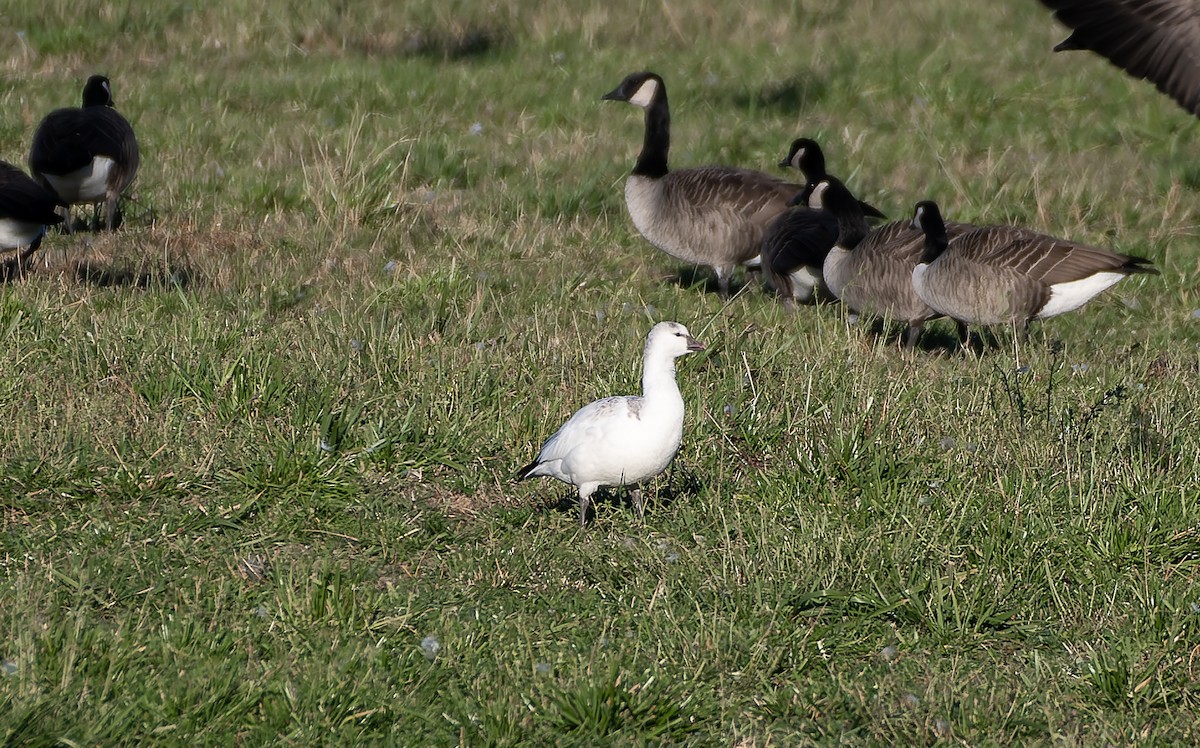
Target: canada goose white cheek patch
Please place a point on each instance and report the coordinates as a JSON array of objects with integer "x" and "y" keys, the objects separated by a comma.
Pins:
[
  {"x": 1065, "y": 297},
  {"x": 645, "y": 93}
]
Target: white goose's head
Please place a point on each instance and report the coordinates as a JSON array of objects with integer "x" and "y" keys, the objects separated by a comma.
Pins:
[{"x": 672, "y": 339}]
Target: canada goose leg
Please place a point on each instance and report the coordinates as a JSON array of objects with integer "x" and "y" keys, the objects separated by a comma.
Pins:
[
  {"x": 635, "y": 493},
  {"x": 912, "y": 334},
  {"x": 964, "y": 334},
  {"x": 724, "y": 275},
  {"x": 111, "y": 216},
  {"x": 65, "y": 212}
]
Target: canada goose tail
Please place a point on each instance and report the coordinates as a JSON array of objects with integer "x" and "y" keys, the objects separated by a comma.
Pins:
[
  {"x": 1140, "y": 265},
  {"x": 870, "y": 211}
]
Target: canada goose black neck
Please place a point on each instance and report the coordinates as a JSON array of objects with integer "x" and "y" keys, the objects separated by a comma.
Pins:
[
  {"x": 831, "y": 195},
  {"x": 928, "y": 218},
  {"x": 652, "y": 161}
]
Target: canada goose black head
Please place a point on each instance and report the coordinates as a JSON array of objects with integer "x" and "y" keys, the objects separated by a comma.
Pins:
[
  {"x": 928, "y": 218},
  {"x": 640, "y": 89},
  {"x": 97, "y": 92},
  {"x": 806, "y": 156}
]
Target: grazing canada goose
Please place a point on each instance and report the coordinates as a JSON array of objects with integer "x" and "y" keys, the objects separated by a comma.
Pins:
[
  {"x": 871, "y": 271},
  {"x": 798, "y": 241},
  {"x": 26, "y": 209},
  {"x": 711, "y": 215},
  {"x": 623, "y": 441},
  {"x": 86, "y": 155},
  {"x": 1009, "y": 275},
  {"x": 1158, "y": 40}
]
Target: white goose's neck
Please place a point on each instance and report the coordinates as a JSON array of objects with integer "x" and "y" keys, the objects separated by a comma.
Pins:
[{"x": 658, "y": 377}]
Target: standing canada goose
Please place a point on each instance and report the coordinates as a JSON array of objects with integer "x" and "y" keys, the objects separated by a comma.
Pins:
[
  {"x": 808, "y": 157},
  {"x": 798, "y": 241},
  {"x": 623, "y": 441},
  {"x": 871, "y": 271},
  {"x": 794, "y": 251},
  {"x": 1158, "y": 40},
  {"x": 994, "y": 275},
  {"x": 86, "y": 155},
  {"x": 26, "y": 209},
  {"x": 711, "y": 215}
]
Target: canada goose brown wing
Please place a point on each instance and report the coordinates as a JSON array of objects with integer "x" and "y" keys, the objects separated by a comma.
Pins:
[
  {"x": 1158, "y": 40},
  {"x": 878, "y": 282},
  {"x": 1043, "y": 258},
  {"x": 750, "y": 194},
  {"x": 959, "y": 285},
  {"x": 24, "y": 199},
  {"x": 68, "y": 139}
]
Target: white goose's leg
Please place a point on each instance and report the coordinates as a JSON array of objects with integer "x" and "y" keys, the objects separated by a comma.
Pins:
[{"x": 636, "y": 494}]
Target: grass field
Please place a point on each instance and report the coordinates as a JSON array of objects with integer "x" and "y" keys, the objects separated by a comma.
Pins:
[{"x": 257, "y": 447}]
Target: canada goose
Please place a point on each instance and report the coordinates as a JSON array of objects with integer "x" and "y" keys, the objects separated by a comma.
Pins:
[
  {"x": 798, "y": 241},
  {"x": 623, "y": 441},
  {"x": 993, "y": 275},
  {"x": 86, "y": 155},
  {"x": 808, "y": 157},
  {"x": 26, "y": 209},
  {"x": 711, "y": 215},
  {"x": 1158, "y": 40},
  {"x": 794, "y": 251},
  {"x": 871, "y": 271}
]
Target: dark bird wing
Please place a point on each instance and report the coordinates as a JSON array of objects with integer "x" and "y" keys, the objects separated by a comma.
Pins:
[
  {"x": 68, "y": 139},
  {"x": 1158, "y": 40},
  {"x": 23, "y": 199},
  {"x": 800, "y": 237}
]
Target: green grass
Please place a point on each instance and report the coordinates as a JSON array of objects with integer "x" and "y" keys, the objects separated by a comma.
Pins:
[{"x": 256, "y": 448}]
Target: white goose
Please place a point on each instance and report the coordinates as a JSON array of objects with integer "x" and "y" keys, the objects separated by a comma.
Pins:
[{"x": 623, "y": 441}]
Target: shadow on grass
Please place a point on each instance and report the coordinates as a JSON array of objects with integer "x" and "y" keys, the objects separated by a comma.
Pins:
[
  {"x": 109, "y": 276},
  {"x": 680, "y": 483},
  {"x": 791, "y": 95},
  {"x": 694, "y": 276}
]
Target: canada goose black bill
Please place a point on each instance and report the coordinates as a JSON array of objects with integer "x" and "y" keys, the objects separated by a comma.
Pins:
[
  {"x": 87, "y": 155},
  {"x": 1158, "y": 40},
  {"x": 1009, "y": 275},
  {"x": 711, "y": 215},
  {"x": 805, "y": 155}
]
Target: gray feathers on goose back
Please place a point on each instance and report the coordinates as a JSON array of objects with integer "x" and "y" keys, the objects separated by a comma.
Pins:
[
  {"x": 876, "y": 276},
  {"x": 1007, "y": 274},
  {"x": 710, "y": 215},
  {"x": 871, "y": 271}
]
